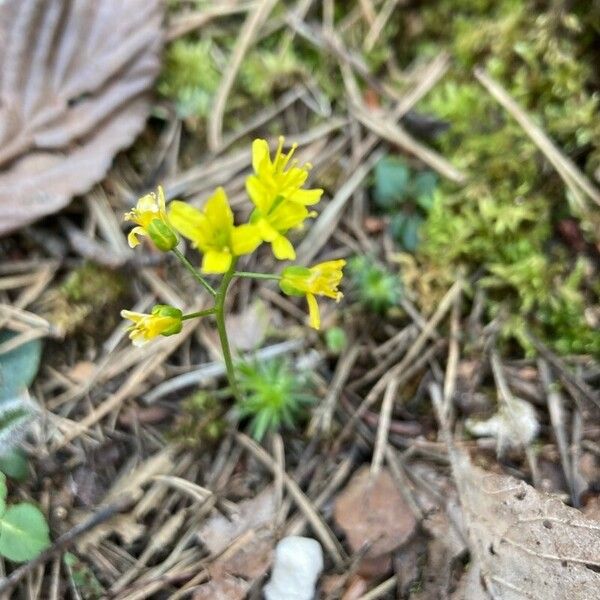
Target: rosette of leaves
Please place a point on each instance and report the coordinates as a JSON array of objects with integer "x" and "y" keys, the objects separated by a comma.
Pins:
[
  {"x": 406, "y": 197},
  {"x": 375, "y": 286},
  {"x": 274, "y": 395}
]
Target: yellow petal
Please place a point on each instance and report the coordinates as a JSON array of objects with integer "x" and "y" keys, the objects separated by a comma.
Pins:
[
  {"x": 161, "y": 198},
  {"x": 260, "y": 152},
  {"x": 147, "y": 203},
  {"x": 313, "y": 312},
  {"x": 306, "y": 197},
  {"x": 287, "y": 216},
  {"x": 266, "y": 231},
  {"x": 282, "y": 248},
  {"x": 259, "y": 194},
  {"x": 245, "y": 239},
  {"x": 132, "y": 316},
  {"x": 138, "y": 338},
  {"x": 132, "y": 239},
  {"x": 216, "y": 262},
  {"x": 218, "y": 211},
  {"x": 188, "y": 221}
]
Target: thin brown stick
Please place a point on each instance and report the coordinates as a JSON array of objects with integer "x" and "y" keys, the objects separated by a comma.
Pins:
[
  {"x": 321, "y": 528},
  {"x": 383, "y": 428},
  {"x": 565, "y": 167},
  {"x": 251, "y": 25}
]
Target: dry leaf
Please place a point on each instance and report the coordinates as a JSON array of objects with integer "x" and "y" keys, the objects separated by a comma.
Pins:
[
  {"x": 227, "y": 588},
  {"x": 219, "y": 531},
  {"x": 74, "y": 78},
  {"x": 247, "y": 330},
  {"x": 470, "y": 585},
  {"x": 82, "y": 371},
  {"x": 527, "y": 544},
  {"x": 249, "y": 557},
  {"x": 372, "y": 512},
  {"x": 514, "y": 425}
]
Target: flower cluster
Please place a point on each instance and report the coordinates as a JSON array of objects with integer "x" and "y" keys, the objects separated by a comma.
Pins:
[{"x": 281, "y": 202}]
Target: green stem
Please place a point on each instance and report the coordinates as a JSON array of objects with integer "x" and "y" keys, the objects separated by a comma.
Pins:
[
  {"x": 190, "y": 267},
  {"x": 201, "y": 313},
  {"x": 250, "y": 275},
  {"x": 220, "y": 318}
]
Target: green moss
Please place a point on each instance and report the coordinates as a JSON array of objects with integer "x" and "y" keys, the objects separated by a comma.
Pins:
[
  {"x": 190, "y": 76},
  {"x": 503, "y": 220},
  {"x": 267, "y": 72},
  {"x": 542, "y": 58},
  {"x": 200, "y": 420},
  {"x": 83, "y": 300}
]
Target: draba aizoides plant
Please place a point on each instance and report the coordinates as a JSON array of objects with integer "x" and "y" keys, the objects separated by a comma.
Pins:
[{"x": 276, "y": 188}]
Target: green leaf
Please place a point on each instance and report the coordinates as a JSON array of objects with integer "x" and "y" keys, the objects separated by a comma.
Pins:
[
  {"x": 3, "y": 493},
  {"x": 410, "y": 234},
  {"x": 14, "y": 464},
  {"x": 423, "y": 187},
  {"x": 398, "y": 224},
  {"x": 18, "y": 367},
  {"x": 391, "y": 182},
  {"x": 15, "y": 415},
  {"x": 336, "y": 340},
  {"x": 23, "y": 532}
]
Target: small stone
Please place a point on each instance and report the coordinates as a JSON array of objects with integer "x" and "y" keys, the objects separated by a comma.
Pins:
[{"x": 298, "y": 564}]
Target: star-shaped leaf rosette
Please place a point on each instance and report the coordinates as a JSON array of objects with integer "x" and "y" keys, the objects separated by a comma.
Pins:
[{"x": 282, "y": 204}]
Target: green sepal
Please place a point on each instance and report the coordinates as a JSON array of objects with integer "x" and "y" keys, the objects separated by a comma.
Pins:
[
  {"x": 162, "y": 235},
  {"x": 166, "y": 310},
  {"x": 287, "y": 287}
]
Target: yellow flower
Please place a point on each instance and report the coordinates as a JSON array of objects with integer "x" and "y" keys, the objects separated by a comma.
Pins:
[
  {"x": 320, "y": 280},
  {"x": 273, "y": 227},
  {"x": 150, "y": 215},
  {"x": 271, "y": 180},
  {"x": 277, "y": 193},
  {"x": 163, "y": 320},
  {"x": 212, "y": 231}
]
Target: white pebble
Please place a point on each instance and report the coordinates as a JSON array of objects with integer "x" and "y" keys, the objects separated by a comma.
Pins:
[{"x": 298, "y": 564}]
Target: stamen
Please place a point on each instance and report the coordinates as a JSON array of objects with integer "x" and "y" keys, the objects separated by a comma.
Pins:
[
  {"x": 279, "y": 151},
  {"x": 289, "y": 155}
]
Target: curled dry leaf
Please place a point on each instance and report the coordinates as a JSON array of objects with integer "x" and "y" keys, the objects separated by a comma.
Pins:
[
  {"x": 74, "y": 78},
  {"x": 527, "y": 544},
  {"x": 373, "y": 514},
  {"x": 219, "y": 532},
  {"x": 513, "y": 426}
]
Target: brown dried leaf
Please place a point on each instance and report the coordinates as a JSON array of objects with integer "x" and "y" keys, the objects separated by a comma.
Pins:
[
  {"x": 74, "y": 78},
  {"x": 219, "y": 531},
  {"x": 372, "y": 512},
  {"x": 248, "y": 329},
  {"x": 249, "y": 557},
  {"x": 226, "y": 588},
  {"x": 527, "y": 544}
]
